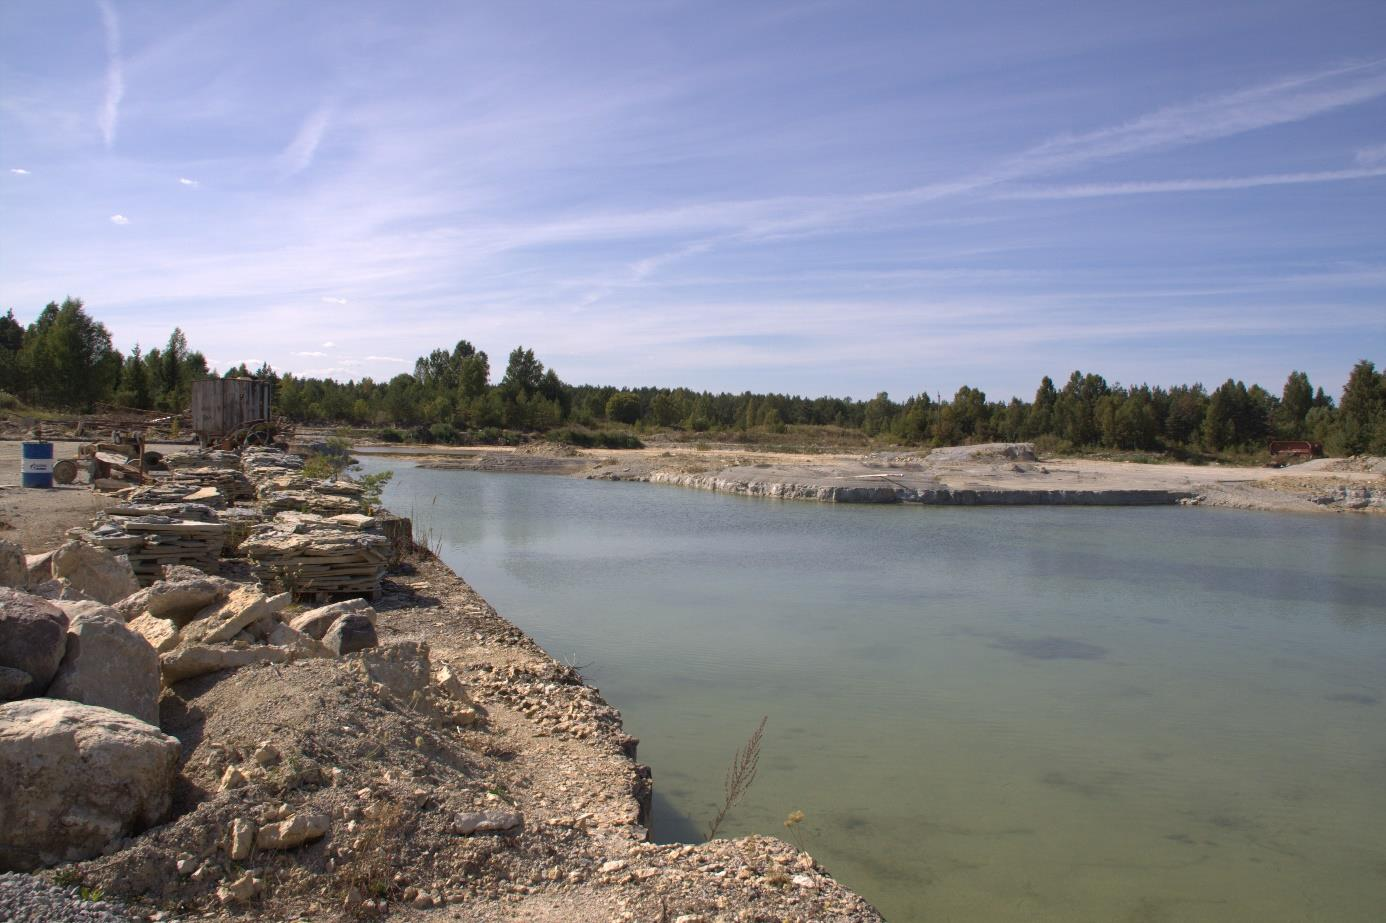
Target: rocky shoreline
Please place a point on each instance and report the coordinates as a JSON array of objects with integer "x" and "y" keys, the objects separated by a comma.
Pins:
[
  {"x": 426, "y": 760},
  {"x": 996, "y": 474}
]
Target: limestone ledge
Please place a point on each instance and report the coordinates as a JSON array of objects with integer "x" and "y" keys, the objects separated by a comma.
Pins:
[{"x": 939, "y": 496}]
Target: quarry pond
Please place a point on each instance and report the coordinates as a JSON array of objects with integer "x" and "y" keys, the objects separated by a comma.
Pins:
[{"x": 1029, "y": 713}]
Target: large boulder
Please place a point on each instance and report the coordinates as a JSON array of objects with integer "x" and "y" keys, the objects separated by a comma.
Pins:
[
  {"x": 223, "y": 620},
  {"x": 76, "y": 778},
  {"x": 109, "y": 665},
  {"x": 33, "y": 636},
  {"x": 13, "y": 683},
  {"x": 14, "y": 568},
  {"x": 351, "y": 633},
  {"x": 315, "y": 622},
  {"x": 95, "y": 572},
  {"x": 178, "y": 597}
]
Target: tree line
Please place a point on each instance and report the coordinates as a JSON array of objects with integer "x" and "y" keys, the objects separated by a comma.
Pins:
[{"x": 65, "y": 360}]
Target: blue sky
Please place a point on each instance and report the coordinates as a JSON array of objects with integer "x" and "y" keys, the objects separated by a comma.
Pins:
[{"x": 816, "y": 197}]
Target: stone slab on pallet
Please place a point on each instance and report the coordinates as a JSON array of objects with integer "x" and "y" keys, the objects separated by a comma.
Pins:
[{"x": 152, "y": 542}]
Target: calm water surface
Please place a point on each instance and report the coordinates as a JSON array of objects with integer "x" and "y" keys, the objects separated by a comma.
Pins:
[{"x": 985, "y": 714}]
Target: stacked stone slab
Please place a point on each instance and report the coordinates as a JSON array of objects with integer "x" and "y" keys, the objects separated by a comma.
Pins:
[
  {"x": 294, "y": 492},
  {"x": 319, "y": 556},
  {"x": 152, "y": 542},
  {"x": 264, "y": 463},
  {"x": 215, "y": 486},
  {"x": 210, "y": 458}
]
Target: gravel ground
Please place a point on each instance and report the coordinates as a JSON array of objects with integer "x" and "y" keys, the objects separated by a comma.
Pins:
[{"x": 28, "y": 899}]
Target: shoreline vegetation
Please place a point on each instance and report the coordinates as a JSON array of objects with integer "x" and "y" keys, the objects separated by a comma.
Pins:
[{"x": 64, "y": 361}]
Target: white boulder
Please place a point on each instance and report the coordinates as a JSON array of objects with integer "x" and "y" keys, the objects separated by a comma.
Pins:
[{"x": 77, "y": 777}]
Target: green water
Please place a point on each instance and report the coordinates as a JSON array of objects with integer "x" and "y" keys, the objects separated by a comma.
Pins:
[{"x": 985, "y": 714}]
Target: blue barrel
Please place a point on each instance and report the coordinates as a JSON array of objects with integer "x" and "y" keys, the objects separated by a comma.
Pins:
[{"x": 36, "y": 465}]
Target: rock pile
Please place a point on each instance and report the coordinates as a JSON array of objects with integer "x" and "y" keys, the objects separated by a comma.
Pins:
[
  {"x": 200, "y": 625},
  {"x": 82, "y": 761}
]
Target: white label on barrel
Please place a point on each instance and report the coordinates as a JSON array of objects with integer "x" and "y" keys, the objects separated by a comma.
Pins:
[{"x": 36, "y": 466}]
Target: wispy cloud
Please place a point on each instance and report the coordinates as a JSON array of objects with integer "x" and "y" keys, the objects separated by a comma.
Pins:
[
  {"x": 304, "y": 146},
  {"x": 115, "y": 73},
  {"x": 19, "y": 171},
  {"x": 1278, "y": 102},
  {"x": 328, "y": 345},
  {"x": 1092, "y": 190},
  {"x": 385, "y": 359},
  {"x": 1371, "y": 156},
  {"x": 328, "y": 299},
  {"x": 184, "y": 181},
  {"x": 119, "y": 219},
  {"x": 312, "y": 353}
]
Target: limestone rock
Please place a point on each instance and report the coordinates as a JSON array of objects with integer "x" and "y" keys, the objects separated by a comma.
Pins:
[
  {"x": 39, "y": 566},
  {"x": 33, "y": 636},
  {"x": 301, "y": 646},
  {"x": 77, "y": 777},
  {"x": 13, "y": 683},
  {"x": 109, "y": 665},
  {"x": 240, "y": 890},
  {"x": 223, "y": 620},
  {"x": 297, "y": 830},
  {"x": 448, "y": 680},
  {"x": 242, "y": 838},
  {"x": 266, "y": 754},
  {"x": 198, "y": 659},
  {"x": 350, "y": 633},
  {"x": 14, "y": 571},
  {"x": 233, "y": 777},
  {"x": 487, "y": 822},
  {"x": 95, "y": 572},
  {"x": 315, "y": 622},
  {"x": 179, "y": 596},
  {"x": 162, "y": 634}
]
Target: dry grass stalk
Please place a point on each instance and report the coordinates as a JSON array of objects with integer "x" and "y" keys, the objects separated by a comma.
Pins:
[{"x": 739, "y": 777}]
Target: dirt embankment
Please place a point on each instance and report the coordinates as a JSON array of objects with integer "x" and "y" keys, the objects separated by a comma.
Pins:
[
  {"x": 549, "y": 764},
  {"x": 996, "y": 474}
]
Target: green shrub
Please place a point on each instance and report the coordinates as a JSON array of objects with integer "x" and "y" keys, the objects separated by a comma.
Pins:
[
  {"x": 443, "y": 433},
  {"x": 8, "y": 401},
  {"x": 1048, "y": 445},
  {"x": 390, "y": 435},
  {"x": 589, "y": 439}
]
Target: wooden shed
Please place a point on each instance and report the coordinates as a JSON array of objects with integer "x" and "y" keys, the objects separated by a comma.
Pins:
[{"x": 220, "y": 406}]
